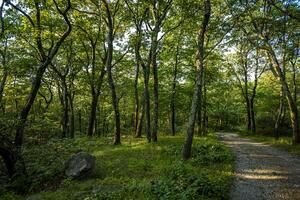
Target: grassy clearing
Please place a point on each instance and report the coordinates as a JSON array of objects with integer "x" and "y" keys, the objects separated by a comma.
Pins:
[
  {"x": 133, "y": 170},
  {"x": 284, "y": 142}
]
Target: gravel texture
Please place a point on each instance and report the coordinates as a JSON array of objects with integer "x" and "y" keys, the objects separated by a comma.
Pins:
[{"x": 262, "y": 171}]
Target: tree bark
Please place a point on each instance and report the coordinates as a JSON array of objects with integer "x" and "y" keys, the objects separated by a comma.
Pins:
[
  {"x": 79, "y": 121},
  {"x": 197, "y": 96},
  {"x": 65, "y": 104},
  {"x": 173, "y": 97},
  {"x": 109, "y": 59},
  {"x": 4, "y": 76},
  {"x": 155, "y": 83},
  {"x": 291, "y": 102},
  {"x": 72, "y": 120},
  {"x": 204, "y": 118},
  {"x": 136, "y": 92},
  {"x": 138, "y": 133},
  {"x": 92, "y": 118}
]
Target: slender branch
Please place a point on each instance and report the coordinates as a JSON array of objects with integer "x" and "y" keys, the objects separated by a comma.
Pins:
[{"x": 21, "y": 11}]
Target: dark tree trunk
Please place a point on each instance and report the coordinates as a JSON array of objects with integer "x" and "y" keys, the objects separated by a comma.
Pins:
[
  {"x": 29, "y": 103},
  {"x": 109, "y": 59},
  {"x": 187, "y": 148},
  {"x": 79, "y": 121},
  {"x": 92, "y": 119},
  {"x": 204, "y": 118},
  {"x": 291, "y": 101},
  {"x": 146, "y": 74},
  {"x": 248, "y": 108},
  {"x": 199, "y": 113},
  {"x": 9, "y": 160},
  {"x": 65, "y": 102},
  {"x": 95, "y": 99},
  {"x": 2, "y": 85},
  {"x": 72, "y": 120},
  {"x": 173, "y": 97},
  {"x": 138, "y": 132},
  {"x": 136, "y": 93},
  {"x": 155, "y": 83},
  {"x": 253, "y": 125},
  {"x": 19, "y": 164}
]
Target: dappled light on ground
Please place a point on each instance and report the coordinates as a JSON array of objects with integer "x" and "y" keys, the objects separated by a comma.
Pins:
[{"x": 263, "y": 172}]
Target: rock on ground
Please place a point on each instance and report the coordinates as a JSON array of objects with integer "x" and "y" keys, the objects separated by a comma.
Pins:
[
  {"x": 262, "y": 172},
  {"x": 80, "y": 165}
]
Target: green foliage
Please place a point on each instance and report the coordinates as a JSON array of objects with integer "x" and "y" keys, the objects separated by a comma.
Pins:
[
  {"x": 209, "y": 152},
  {"x": 134, "y": 170}
]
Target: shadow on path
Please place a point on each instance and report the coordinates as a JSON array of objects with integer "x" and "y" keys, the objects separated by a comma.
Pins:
[{"x": 261, "y": 171}]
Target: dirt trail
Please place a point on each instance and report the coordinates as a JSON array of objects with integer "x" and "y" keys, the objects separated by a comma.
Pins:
[{"x": 261, "y": 171}]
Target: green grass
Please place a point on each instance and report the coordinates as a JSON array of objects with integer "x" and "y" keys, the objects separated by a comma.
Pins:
[
  {"x": 133, "y": 170},
  {"x": 284, "y": 142}
]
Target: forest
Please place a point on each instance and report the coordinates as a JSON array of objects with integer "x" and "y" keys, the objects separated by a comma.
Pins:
[{"x": 134, "y": 93}]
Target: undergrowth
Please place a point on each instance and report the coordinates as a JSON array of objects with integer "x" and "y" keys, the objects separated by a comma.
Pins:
[{"x": 133, "y": 170}]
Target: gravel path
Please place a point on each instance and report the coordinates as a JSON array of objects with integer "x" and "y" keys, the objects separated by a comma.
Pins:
[{"x": 261, "y": 171}]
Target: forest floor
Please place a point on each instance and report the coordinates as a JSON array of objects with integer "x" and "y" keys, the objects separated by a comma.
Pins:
[
  {"x": 262, "y": 171},
  {"x": 133, "y": 170}
]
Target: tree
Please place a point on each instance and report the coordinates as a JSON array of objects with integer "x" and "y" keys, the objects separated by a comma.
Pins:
[
  {"x": 13, "y": 157},
  {"x": 198, "y": 87}
]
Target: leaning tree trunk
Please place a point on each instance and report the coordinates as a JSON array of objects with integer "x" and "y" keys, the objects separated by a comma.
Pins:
[
  {"x": 200, "y": 67},
  {"x": 29, "y": 103},
  {"x": 47, "y": 58},
  {"x": 291, "y": 101}
]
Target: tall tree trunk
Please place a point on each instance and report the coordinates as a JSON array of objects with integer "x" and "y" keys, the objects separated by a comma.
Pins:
[
  {"x": 19, "y": 165},
  {"x": 200, "y": 66},
  {"x": 147, "y": 102},
  {"x": 72, "y": 120},
  {"x": 248, "y": 108},
  {"x": 204, "y": 118},
  {"x": 173, "y": 97},
  {"x": 155, "y": 83},
  {"x": 79, "y": 121},
  {"x": 146, "y": 75},
  {"x": 65, "y": 102},
  {"x": 139, "y": 129},
  {"x": 291, "y": 102},
  {"x": 95, "y": 98},
  {"x": 2, "y": 85},
  {"x": 253, "y": 125},
  {"x": 136, "y": 93},
  {"x": 29, "y": 102},
  {"x": 92, "y": 118},
  {"x": 109, "y": 58}
]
